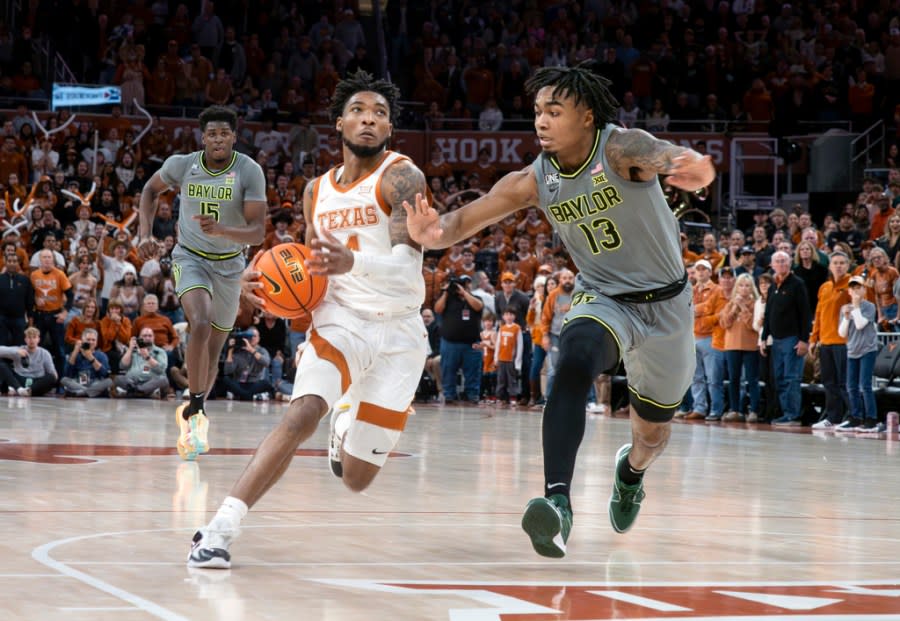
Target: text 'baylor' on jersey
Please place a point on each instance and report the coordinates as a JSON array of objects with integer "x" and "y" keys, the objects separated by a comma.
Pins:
[{"x": 220, "y": 194}]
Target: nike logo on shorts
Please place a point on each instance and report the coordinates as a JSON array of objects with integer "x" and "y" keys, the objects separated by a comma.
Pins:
[{"x": 377, "y": 452}]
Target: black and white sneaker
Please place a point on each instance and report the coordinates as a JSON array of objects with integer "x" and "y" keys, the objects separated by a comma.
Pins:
[
  {"x": 871, "y": 426},
  {"x": 209, "y": 549},
  {"x": 339, "y": 422},
  {"x": 849, "y": 424}
]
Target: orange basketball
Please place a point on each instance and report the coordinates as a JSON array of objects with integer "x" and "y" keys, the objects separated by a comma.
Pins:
[{"x": 288, "y": 289}]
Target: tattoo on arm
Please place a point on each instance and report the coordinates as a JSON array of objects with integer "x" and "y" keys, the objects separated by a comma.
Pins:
[
  {"x": 636, "y": 155},
  {"x": 401, "y": 182}
]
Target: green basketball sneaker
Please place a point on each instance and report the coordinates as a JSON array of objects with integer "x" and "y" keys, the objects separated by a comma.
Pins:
[
  {"x": 548, "y": 522},
  {"x": 625, "y": 502}
]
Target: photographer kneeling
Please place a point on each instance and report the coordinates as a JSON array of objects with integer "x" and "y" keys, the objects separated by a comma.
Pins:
[
  {"x": 246, "y": 367},
  {"x": 460, "y": 338},
  {"x": 145, "y": 365},
  {"x": 87, "y": 368}
]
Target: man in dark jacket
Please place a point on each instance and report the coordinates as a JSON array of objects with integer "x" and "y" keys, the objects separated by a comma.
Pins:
[
  {"x": 460, "y": 330},
  {"x": 16, "y": 299},
  {"x": 787, "y": 321}
]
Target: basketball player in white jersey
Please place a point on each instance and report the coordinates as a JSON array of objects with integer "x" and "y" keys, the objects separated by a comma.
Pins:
[{"x": 368, "y": 341}]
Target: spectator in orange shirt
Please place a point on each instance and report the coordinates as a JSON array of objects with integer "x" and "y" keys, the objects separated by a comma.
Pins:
[
  {"x": 881, "y": 216},
  {"x": 882, "y": 278},
  {"x": 832, "y": 296},
  {"x": 741, "y": 349},
  {"x": 687, "y": 255},
  {"x": 508, "y": 356},
  {"x": 11, "y": 160},
  {"x": 533, "y": 224},
  {"x": 437, "y": 166},
  {"x": 52, "y": 299},
  {"x": 708, "y": 301},
  {"x": 434, "y": 276},
  {"x": 115, "y": 333},
  {"x": 556, "y": 305},
  {"x": 710, "y": 252},
  {"x": 87, "y": 319}
]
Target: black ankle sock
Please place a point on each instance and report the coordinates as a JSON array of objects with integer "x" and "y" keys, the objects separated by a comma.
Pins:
[
  {"x": 195, "y": 405},
  {"x": 629, "y": 475},
  {"x": 557, "y": 489}
]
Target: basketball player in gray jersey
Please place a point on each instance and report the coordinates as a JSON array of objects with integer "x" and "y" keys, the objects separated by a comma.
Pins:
[
  {"x": 598, "y": 185},
  {"x": 222, "y": 210}
]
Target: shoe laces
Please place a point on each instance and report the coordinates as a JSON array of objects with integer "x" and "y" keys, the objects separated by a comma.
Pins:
[{"x": 629, "y": 495}]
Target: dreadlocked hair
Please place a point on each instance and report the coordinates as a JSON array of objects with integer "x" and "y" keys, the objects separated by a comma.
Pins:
[
  {"x": 583, "y": 84},
  {"x": 215, "y": 114},
  {"x": 359, "y": 82}
]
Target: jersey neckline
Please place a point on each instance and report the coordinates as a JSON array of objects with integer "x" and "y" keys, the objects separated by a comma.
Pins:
[
  {"x": 584, "y": 165},
  {"x": 202, "y": 159}
]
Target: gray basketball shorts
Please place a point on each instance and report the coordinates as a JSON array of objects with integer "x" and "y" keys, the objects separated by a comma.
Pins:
[
  {"x": 656, "y": 342},
  {"x": 221, "y": 279}
]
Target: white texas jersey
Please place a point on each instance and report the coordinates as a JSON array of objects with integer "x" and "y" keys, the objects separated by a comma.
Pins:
[{"x": 360, "y": 218}]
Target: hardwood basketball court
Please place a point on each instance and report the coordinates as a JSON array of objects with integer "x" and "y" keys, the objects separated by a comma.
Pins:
[{"x": 739, "y": 523}]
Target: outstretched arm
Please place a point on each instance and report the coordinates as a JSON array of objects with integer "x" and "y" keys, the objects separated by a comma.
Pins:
[
  {"x": 638, "y": 156},
  {"x": 517, "y": 190}
]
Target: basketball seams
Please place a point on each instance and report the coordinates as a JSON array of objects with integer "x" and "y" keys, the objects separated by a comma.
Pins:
[
  {"x": 277, "y": 263},
  {"x": 275, "y": 269}
]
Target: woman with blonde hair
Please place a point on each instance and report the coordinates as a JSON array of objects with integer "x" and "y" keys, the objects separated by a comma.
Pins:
[
  {"x": 808, "y": 269},
  {"x": 890, "y": 241},
  {"x": 741, "y": 349},
  {"x": 881, "y": 279}
]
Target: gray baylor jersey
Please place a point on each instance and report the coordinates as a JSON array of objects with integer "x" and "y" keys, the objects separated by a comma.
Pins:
[
  {"x": 220, "y": 194},
  {"x": 622, "y": 235}
]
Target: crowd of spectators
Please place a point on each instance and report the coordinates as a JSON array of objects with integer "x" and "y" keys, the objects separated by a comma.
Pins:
[
  {"x": 67, "y": 237},
  {"x": 673, "y": 64}
]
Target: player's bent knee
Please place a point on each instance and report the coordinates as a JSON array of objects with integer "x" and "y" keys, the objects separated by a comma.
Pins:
[
  {"x": 653, "y": 436},
  {"x": 358, "y": 474},
  {"x": 652, "y": 411},
  {"x": 303, "y": 416},
  {"x": 586, "y": 346}
]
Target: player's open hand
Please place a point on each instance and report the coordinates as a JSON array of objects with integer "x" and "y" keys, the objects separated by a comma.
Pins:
[
  {"x": 250, "y": 284},
  {"x": 423, "y": 222},
  {"x": 208, "y": 224},
  {"x": 148, "y": 248},
  {"x": 329, "y": 256},
  {"x": 691, "y": 171}
]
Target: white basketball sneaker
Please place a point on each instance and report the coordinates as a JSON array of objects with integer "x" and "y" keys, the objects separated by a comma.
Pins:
[
  {"x": 209, "y": 549},
  {"x": 339, "y": 423}
]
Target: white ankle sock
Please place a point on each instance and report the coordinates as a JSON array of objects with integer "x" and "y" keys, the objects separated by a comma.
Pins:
[{"x": 230, "y": 514}]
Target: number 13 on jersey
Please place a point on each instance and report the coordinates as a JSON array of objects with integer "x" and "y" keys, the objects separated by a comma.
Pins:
[{"x": 601, "y": 235}]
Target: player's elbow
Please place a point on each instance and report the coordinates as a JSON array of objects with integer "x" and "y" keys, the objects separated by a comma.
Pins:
[{"x": 259, "y": 234}]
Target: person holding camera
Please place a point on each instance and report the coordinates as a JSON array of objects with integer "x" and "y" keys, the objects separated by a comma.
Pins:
[
  {"x": 246, "y": 364},
  {"x": 87, "y": 368},
  {"x": 146, "y": 369},
  {"x": 32, "y": 372},
  {"x": 460, "y": 338}
]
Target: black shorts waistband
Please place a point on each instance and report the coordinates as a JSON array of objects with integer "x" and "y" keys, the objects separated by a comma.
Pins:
[{"x": 666, "y": 292}]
